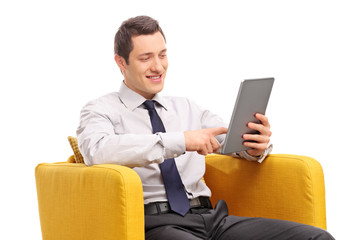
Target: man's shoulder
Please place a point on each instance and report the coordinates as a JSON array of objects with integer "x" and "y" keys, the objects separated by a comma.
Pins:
[
  {"x": 177, "y": 102},
  {"x": 103, "y": 101},
  {"x": 109, "y": 97},
  {"x": 175, "y": 99}
]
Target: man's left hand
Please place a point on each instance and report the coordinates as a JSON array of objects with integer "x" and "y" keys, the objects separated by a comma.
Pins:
[{"x": 260, "y": 141}]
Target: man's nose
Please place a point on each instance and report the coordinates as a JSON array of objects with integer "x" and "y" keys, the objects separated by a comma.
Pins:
[{"x": 157, "y": 65}]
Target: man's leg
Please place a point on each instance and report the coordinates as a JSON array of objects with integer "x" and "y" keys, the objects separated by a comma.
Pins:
[
  {"x": 173, "y": 226},
  {"x": 169, "y": 232},
  {"x": 235, "y": 228}
]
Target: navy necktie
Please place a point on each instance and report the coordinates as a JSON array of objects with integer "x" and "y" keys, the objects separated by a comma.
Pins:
[{"x": 174, "y": 187}]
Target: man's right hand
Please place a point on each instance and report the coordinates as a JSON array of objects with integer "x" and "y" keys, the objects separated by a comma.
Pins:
[{"x": 203, "y": 141}]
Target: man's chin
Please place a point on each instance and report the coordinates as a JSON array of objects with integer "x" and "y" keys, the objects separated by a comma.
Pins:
[{"x": 158, "y": 89}]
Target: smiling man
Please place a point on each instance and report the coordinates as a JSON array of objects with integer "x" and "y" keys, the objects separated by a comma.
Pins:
[
  {"x": 146, "y": 73},
  {"x": 165, "y": 140}
]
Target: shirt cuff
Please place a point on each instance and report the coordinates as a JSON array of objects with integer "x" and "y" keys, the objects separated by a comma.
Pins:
[
  {"x": 173, "y": 143},
  {"x": 245, "y": 155}
]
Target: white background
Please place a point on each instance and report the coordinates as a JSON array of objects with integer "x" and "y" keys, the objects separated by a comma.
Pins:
[{"x": 57, "y": 55}]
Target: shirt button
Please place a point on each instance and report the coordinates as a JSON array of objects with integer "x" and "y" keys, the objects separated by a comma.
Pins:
[{"x": 175, "y": 155}]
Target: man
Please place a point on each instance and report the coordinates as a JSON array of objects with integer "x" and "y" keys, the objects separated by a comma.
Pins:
[{"x": 165, "y": 139}]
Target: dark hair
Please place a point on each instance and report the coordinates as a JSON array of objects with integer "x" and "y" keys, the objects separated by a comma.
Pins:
[{"x": 140, "y": 25}]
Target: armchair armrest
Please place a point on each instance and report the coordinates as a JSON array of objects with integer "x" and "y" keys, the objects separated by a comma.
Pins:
[
  {"x": 286, "y": 187},
  {"x": 98, "y": 202}
]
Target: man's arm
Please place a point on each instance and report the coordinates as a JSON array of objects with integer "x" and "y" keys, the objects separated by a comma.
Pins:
[
  {"x": 203, "y": 141},
  {"x": 100, "y": 143}
]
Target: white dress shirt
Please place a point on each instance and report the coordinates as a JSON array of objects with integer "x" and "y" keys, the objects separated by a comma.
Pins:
[{"x": 116, "y": 129}]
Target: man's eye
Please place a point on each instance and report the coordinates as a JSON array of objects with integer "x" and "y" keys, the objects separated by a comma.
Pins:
[{"x": 144, "y": 59}]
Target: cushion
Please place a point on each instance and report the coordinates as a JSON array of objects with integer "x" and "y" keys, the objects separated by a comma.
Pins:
[{"x": 75, "y": 147}]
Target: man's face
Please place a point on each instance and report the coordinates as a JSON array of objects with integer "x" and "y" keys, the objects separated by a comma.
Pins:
[{"x": 145, "y": 73}]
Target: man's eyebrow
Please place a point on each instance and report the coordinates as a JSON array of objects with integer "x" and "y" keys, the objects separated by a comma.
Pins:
[
  {"x": 145, "y": 54},
  {"x": 150, "y": 53}
]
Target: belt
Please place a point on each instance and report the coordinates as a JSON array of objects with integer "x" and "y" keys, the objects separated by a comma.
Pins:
[{"x": 157, "y": 208}]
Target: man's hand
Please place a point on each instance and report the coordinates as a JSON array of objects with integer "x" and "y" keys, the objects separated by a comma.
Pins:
[
  {"x": 262, "y": 139},
  {"x": 203, "y": 141}
]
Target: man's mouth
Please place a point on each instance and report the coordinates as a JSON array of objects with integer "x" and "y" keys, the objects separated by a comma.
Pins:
[{"x": 155, "y": 78}]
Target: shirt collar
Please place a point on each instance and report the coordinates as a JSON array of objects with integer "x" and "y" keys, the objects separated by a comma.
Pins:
[{"x": 133, "y": 100}]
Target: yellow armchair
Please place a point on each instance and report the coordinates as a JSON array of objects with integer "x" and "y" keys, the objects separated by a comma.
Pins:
[{"x": 106, "y": 201}]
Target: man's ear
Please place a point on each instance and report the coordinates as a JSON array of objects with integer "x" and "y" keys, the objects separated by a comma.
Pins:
[{"x": 120, "y": 61}]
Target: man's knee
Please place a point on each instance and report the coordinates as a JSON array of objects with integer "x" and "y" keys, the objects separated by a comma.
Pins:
[
  {"x": 322, "y": 235},
  {"x": 302, "y": 232}
]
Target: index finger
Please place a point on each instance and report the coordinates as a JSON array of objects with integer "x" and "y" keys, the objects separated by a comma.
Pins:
[{"x": 218, "y": 131}]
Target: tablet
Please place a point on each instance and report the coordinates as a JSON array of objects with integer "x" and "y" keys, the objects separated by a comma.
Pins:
[{"x": 252, "y": 98}]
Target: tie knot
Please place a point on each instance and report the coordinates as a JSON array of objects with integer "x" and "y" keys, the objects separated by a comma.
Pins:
[{"x": 149, "y": 105}]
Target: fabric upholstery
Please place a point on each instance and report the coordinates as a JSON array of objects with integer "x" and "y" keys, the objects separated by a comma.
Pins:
[
  {"x": 287, "y": 187},
  {"x": 98, "y": 202},
  {"x": 106, "y": 202}
]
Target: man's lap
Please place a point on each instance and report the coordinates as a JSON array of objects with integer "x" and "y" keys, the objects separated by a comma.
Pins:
[{"x": 216, "y": 224}]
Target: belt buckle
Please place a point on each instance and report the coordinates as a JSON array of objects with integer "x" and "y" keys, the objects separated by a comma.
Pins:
[
  {"x": 163, "y": 207},
  {"x": 195, "y": 202}
]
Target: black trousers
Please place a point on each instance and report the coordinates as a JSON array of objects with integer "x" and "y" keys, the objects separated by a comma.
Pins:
[{"x": 216, "y": 224}]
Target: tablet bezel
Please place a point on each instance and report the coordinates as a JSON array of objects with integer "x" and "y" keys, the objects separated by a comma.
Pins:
[{"x": 252, "y": 98}]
